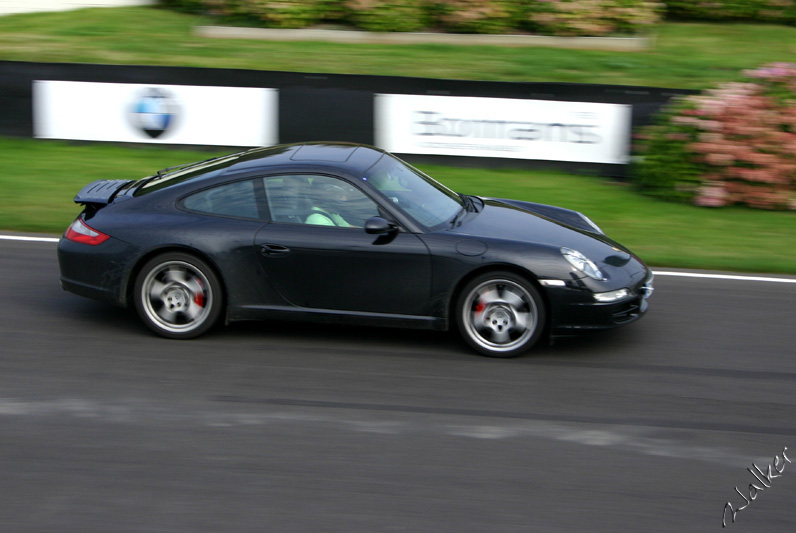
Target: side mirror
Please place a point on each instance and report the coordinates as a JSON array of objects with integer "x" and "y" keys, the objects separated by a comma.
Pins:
[{"x": 379, "y": 226}]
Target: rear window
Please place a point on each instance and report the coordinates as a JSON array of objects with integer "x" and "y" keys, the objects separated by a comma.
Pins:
[
  {"x": 236, "y": 199},
  {"x": 203, "y": 170}
]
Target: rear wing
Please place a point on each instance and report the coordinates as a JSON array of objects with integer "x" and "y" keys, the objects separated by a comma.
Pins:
[{"x": 100, "y": 192}]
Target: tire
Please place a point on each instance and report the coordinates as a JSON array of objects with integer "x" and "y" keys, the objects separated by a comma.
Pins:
[
  {"x": 500, "y": 314},
  {"x": 178, "y": 296}
]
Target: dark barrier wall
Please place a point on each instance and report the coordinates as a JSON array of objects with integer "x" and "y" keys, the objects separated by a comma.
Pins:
[{"x": 320, "y": 106}]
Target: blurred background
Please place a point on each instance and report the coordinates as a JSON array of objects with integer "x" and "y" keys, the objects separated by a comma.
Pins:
[
  {"x": 672, "y": 124},
  {"x": 586, "y": 120}
]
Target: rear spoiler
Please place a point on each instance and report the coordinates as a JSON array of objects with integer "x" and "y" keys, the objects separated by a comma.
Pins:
[{"x": 100, "y": 192}]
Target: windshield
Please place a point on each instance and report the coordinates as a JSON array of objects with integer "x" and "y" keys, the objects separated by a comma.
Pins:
[{"x": 427, "y": 201}]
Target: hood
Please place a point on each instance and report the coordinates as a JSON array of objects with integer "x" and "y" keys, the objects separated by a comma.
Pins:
[
  {"x": 500, "y": 220},
  {"x": 560, "y": 214}
]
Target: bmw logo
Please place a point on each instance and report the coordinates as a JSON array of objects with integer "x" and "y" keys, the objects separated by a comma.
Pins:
[{"x": 154, "y": 112}]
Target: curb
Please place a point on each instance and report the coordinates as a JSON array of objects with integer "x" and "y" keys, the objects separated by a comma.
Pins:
[{"x": 621, "y": 44}]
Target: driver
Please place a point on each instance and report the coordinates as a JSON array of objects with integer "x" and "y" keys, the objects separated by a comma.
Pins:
[{"x": 329, "y": 200}]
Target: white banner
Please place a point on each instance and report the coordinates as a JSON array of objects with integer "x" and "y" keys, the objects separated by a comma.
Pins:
[
  {"x": 166, "y": 114},
  {"x": 503, "y": 127}
]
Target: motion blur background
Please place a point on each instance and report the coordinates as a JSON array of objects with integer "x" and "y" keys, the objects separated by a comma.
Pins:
[{"x": 281, "y": 427}]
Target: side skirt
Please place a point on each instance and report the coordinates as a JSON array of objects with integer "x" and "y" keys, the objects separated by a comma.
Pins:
[{"x": 327, "y": 316}]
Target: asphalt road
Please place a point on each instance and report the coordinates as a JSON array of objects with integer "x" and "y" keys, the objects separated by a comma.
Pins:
[{"x": 282, "y": 427}]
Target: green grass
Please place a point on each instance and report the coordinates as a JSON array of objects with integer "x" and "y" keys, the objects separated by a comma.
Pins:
[
  {"x": 684, "y": 56},
  {"x": 39, "y": 179}
]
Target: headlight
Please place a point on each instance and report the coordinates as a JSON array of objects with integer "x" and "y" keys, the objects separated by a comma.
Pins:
[
  {"x": 611, "y": 296},
  {"x": 582, "y": 263}
]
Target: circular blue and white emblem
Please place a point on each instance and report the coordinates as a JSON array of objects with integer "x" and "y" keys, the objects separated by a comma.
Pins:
[{"x": 154, "y": 112}]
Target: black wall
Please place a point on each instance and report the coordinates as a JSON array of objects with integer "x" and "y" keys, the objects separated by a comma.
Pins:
[{"x": 315, "y": 107}]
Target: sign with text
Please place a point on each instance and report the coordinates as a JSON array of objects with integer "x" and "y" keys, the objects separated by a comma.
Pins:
[
  {"x": 503, "y": 127},
  {"x": 166, "y": 114}
]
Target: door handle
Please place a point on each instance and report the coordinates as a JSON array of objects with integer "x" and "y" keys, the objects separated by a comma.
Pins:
[{"x": 273, "y": 249}]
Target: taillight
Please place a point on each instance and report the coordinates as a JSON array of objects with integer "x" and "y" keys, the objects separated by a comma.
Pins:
[{"x": 81, "y": 232}]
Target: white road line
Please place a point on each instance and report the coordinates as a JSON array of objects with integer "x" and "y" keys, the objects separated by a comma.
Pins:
[
  {"x": 656, "y": 272},
  {"x": 29, "y": 239},
  {"x": 723, "y": 276}
]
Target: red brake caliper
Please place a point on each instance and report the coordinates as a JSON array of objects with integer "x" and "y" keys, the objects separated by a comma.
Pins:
[
  {"x": 199, "y": 296},
  {"x": 479, "y": 307}
]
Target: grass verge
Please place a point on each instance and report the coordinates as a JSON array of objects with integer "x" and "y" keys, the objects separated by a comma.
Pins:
[
  {"x": 685, "y": 56},
  {"x": 39, "y": 179}
]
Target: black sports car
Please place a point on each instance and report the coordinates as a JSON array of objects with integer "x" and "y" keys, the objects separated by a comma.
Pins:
[{"x": 344, "y": 233}]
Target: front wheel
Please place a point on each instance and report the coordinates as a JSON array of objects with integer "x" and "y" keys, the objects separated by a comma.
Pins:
[
  {"x": 178, "y": 296},
  {"x": 500, "y": 314}
]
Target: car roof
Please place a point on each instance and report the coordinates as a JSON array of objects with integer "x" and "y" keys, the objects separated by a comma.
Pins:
[
  {"x": 356, "y": 158},
  {"x": 353, "y": 159}
]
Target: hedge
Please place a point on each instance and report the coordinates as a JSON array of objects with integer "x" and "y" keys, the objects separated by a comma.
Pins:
[
  {"x": 735, "y": 144},
  {"x": 386, "y": 15},
  {"x": 548, "y": 17},
  {"x": 778, "y": 11},
  {"x": 592, "y": 17}
]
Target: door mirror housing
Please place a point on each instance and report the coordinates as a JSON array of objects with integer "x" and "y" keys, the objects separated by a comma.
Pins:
[{"x": 380, "y": 226}]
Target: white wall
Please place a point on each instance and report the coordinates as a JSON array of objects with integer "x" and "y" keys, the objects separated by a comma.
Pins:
[{"x": 8, "y": 7}]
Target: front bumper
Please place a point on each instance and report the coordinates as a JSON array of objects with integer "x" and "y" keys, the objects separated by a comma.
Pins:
[{"x": 575, "y": 308}]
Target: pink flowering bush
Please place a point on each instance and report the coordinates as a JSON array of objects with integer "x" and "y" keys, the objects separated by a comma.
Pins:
[
  {"x": 735, "y": 144},
  {"x": 477, "y": 16},
  {"x": 592, "y": 17},
  {"x": 546, "y": 17}
]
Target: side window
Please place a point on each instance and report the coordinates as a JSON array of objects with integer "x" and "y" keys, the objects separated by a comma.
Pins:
[
  {"x": 233, "y": 199},
  {"x": 318, "y": 200},
  {"x": 288, "y": 198}
]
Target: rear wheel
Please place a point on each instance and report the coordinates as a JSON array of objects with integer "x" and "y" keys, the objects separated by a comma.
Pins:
[
  {"x": 500, "y": 314},
  {"x": 178, "y": 296}
]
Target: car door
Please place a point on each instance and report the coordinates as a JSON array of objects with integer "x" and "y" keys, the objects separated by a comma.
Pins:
[{"x": 316, "y": 263}]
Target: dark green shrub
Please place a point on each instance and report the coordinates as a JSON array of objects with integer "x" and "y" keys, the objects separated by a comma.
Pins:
[
  {"x": 664, "y": 170},
  {"x": 268, "y": 13},
  {"x": 779, "y": 11},
  {"x": 281, "y": 13},
  {"x": 186, "y": 6},
  {"x": 387, "y": 15}
]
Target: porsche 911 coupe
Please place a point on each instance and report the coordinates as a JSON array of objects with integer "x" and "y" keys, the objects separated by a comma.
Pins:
[{"x": 347, "y": 234}]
